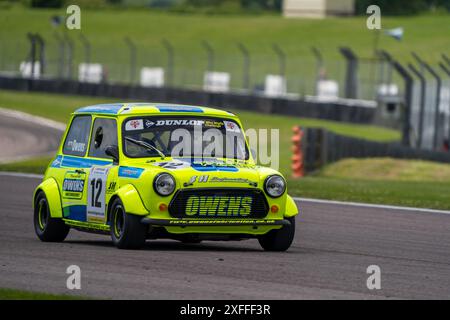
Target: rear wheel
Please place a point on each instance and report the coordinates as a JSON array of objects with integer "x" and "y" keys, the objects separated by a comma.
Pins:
[
  {"x": 47, "y": 229},
  {"x": 127, "y": 231},
  {"x": 279, "y": 239}
]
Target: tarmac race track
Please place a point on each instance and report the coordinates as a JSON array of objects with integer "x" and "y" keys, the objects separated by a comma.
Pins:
[
  {"x": 22, "y": 137},
  {"x": 333, "y": 247}
]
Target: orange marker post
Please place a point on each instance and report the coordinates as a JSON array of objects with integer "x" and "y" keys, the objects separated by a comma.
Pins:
[{"x": 297, "y": 153}]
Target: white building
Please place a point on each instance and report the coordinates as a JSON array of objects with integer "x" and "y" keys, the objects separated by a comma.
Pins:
[{"x": 318, "y": 8}]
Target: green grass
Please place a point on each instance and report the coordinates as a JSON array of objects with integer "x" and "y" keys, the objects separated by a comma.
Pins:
[
  {"x": 422, "y": 194},
  {"x": 411, "y": 183},
  {"x": 13, "y": 294},
  {"x": 53, "y": 106},
  {"x": 107, "y": 28},
  {"x": 388, "y": 169},
  {"x": 35, "y": 165},
  {"x": 59, "y": 107}
]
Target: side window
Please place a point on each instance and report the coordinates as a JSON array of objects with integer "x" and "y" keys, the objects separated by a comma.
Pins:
[
  {"x": 78, "y": 136},
  {"x": 104, "y": 134}
]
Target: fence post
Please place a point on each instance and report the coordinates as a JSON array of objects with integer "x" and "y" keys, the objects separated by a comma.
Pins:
[
  {"x": 385, "y": 56},
  {"x": 61, "y": 53},
  {"x": 87, "y": 48},
  {"x": 210, "y": 53},
  {"x": 427, "y": 67},
  {"x": 246, "y": 68},
  {"x": 41, "y": 43},
  {"x": 132, "y": 48},
  {"x": 70, "y": 50},
  {"x": 281, "y": 59},
  {"x": 422, "y": 102},
  {"x": 409, "y": 82},
  {"x": 446, "y": 59},
  {"x": 447, "y": 71},
  {"x": 170, "y": 60},
  {"x": 351, "y": 78},
  {"x": 32, "y": 54},
  {"x": 319, "y": 67}
]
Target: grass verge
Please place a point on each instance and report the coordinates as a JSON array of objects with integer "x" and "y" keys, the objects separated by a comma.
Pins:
[
  {"x": 14, "y": 294},
  {"x": 423, "y": 194},
  {"x": 35, "y": 165},
  {"x": 388, "y": 169}
]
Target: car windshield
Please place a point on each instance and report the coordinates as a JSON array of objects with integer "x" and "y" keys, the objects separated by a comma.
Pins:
[{"x": 181, "y": 136}]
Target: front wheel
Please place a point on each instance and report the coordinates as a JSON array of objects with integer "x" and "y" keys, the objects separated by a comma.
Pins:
[
  {"x": 127, "y": 231},
  {"x": 279, "y": 239},
  {"x": 47, "y": 229}
]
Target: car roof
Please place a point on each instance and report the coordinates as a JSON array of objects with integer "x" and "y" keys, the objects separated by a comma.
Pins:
[{"x": 148, "y": 108}]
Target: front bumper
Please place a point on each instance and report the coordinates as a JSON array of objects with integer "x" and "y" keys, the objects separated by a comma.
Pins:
[{"x": 213, "y": 223}]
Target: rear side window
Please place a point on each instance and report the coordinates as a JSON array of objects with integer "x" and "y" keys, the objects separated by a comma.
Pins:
[
  {"x": 104, "y": 134},
  {"x": 78, "y": 136}
]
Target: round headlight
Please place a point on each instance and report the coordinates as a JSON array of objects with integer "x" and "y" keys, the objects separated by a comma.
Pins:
[
  {"x": 275, "y": 186},
  {"x": 164, "y": 184}
]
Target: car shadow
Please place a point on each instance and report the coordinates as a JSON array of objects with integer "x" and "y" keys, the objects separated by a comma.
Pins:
[{"x": 168, "y": 245}]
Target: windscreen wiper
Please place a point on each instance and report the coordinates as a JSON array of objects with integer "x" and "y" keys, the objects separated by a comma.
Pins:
[{"x": 146, "y": 145}]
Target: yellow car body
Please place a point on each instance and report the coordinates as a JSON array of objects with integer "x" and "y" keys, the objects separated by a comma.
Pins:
[{"x": 213, "y": 198}]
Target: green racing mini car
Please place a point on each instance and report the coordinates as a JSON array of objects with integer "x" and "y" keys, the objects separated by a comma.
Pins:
[{"x": 142, "y": 171}]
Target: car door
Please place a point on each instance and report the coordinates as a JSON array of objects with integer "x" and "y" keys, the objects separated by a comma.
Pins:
[
  {"x": 70, "y": 167},
  {"x": 101, "y": 179}
]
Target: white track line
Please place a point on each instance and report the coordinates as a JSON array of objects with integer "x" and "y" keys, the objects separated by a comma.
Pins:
[
  {"x": 370, "y": 205},
  {"x": 34, "y": 119},
  {"x": 340, "y": 203},
  {"x": 21, "y": 175}
]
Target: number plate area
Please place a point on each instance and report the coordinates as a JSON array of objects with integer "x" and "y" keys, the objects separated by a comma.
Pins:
[{"x": 97, "y": 194}]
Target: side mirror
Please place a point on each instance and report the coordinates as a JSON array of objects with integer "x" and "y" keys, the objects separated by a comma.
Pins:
[{"x": 113, "y": 152}]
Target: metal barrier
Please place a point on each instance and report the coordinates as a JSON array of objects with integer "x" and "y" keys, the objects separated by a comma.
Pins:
[{"x": 321, "y": 147}]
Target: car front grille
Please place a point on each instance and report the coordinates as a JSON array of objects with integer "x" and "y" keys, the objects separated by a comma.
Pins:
[{"x": 219, "y": 203}]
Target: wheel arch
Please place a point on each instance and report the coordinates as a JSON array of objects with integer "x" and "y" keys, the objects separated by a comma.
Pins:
[
  {"x": 50, "y": 189},
  {"x": 291, "y": 207},
  {"x": 130, "y": 199}
]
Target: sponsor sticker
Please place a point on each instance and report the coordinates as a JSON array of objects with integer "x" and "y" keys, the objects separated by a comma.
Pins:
[
  {"x": 135, "y": 124},
  {"x": 180, "y": 122},
  {"x": 76, "y": 146},
  {"x": 149, "y": 123},
  {"x": 130, "y": 172},
  {"x": 173, "y": 165},
  {"x": 213, "y": 124},
  {"x": 231, "y": 126},
  {"x": 73, "y": 185},
  {"x": 221, "y": 206}
]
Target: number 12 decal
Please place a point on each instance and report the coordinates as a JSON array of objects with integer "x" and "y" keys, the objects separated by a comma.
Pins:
[
  {"x": 96, "y": 189},
  {"x": 96, "y": 195}
]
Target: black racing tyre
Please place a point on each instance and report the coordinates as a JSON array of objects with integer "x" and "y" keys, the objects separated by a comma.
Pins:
[
  {"x": 47, "y": 229},
  {"x": 279, "y": 239},
  {"x": 127, "y": 231}
]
